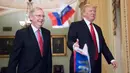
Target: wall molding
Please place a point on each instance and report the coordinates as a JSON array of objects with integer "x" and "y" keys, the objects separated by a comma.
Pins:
[{"x": 125, "y": 40}]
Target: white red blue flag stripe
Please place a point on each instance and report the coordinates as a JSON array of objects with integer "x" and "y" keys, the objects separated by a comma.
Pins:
[
  {"x": 66, "y": 13},
  {"x": 60, "y": 20},
  {"x": 55, "y": 18}
]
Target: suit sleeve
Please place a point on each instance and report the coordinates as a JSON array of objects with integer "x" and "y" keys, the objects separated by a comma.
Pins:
[
  {"x": 49, "y": 58},
  {"x": 15, "y": 55},
  {"x": 72, "y": 36},
  {"x": 105, "y": 50}
]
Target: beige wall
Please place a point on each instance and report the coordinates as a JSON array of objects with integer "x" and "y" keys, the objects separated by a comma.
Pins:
[{"x": 117, "y": 44}]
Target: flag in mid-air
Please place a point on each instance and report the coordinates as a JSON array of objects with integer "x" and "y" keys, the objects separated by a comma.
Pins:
[
  {"x": 66, "y": 13},
  {"x": 60, "y": 20}
]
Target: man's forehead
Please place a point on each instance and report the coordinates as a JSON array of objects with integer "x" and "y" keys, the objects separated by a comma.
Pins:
[
  {"x": 90, "y": 6},
  {"x": 39, "y": 12}
]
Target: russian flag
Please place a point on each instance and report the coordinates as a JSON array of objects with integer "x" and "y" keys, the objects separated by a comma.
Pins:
[
  {"x": 60, "y": 19},
  {"x": 55, "y": 18},
  {"x": 66, "y": 13}
]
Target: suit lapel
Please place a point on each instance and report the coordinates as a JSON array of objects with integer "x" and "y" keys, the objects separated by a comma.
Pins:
[
  {"x": 33, "y": 38},
  {"x": 87, "y": 30},
  {"x": 33, "y": 35},
  {"x": 89, "y": 41},
  {"x": 98, "y": 33},
  {"x": 44, "y": 40}
]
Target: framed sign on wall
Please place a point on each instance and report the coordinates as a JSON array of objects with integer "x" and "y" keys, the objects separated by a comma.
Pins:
[
  {"x": 58, "y": 45},
  {"x": 6, "y": 45}
]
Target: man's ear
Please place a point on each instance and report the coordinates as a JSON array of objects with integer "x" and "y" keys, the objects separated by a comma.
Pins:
[{"x": 30, "y": 17}]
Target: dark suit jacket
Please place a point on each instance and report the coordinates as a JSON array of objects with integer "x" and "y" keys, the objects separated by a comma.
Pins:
[
  {"x": 26, "y": 54},
  {"x": 79, "y": 30}
]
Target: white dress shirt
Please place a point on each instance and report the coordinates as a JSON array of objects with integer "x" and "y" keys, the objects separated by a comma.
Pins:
[
  {"x": 35, "y": 31},
  {"x": 96, "y": 34}
]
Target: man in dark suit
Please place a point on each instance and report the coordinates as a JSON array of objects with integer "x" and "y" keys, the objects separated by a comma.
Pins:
[
  {"x": 85, "y": 32},
  {"x": 32, "y": 47}
]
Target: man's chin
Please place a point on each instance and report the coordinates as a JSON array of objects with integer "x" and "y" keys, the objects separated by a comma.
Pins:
[{"x": 40, "y": 24}]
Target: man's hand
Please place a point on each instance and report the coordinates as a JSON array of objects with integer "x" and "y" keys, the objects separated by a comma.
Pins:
[
  {"x": 76, "y": 44},
  {"x": 114, "y": 64}
]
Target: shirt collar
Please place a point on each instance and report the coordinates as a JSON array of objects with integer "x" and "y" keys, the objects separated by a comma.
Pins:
[
  {"x": 86, "y": 21},
  {"x": 34, "y": 28}
]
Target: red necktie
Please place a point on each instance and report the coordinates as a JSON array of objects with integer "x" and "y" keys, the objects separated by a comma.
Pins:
[
  {"x": 94, "y": 40},
  {"x": 40, "y": 41}
]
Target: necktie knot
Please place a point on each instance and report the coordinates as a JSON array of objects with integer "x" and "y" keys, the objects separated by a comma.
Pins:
[
  {"x": 91, "y": 23},
  {"x": 38, "y": 30}
]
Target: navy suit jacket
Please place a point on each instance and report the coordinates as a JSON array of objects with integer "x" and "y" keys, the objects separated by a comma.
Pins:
[
  {"x": 26, "y": 53},
  {"x": 79, "y": 30}
]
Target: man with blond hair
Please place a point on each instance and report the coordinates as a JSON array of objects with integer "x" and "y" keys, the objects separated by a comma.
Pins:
[{"x": 86, "y": 32}]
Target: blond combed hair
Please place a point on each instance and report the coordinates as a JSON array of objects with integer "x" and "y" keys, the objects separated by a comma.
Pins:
[{"x": 86, "y": 6}]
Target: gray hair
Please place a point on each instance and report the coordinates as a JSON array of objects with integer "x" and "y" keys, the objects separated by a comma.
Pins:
[{"x": 34, "y": 9}]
